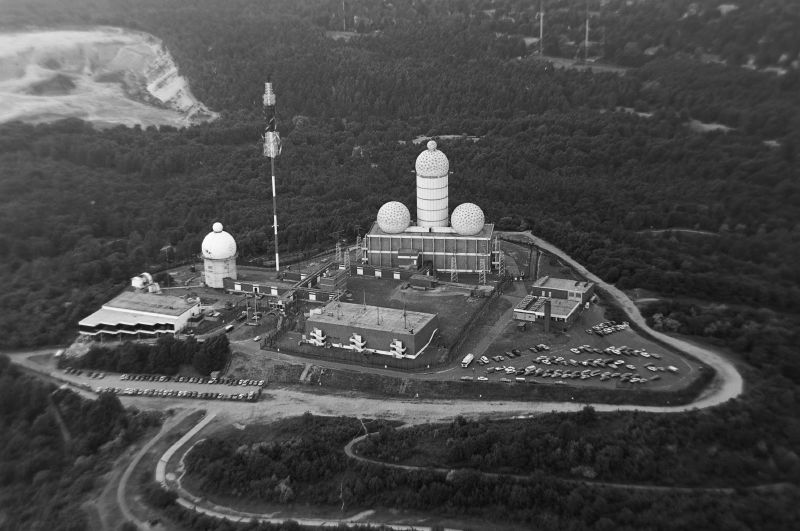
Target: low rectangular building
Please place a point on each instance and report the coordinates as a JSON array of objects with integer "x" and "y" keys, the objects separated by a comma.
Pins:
[
  {"x": 140, "y": 314},
  {"x": 532, "y": 308},
  {"x": 441, "y": 246},
  {"x": 560, "y": 288},
  {"x": 374, "y": 329}
]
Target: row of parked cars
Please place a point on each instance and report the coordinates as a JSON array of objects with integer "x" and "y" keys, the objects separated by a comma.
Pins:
[
  {"x": 251, "y": 396},
  {"x": 190, "y": 379},
  {"x": 511, "y": 354},
  {"x": 606, "y": 328},
  {"x": 79, "y": 372}
]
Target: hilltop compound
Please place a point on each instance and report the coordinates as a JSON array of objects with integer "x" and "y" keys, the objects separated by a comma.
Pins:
[{"x": 437, "y": 241}]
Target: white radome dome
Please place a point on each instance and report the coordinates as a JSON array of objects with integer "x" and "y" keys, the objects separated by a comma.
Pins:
[
  {"x": 394, "y": 217},
  {"x": 467, "y": 219},
  {"x": 218, "y": 244},
  {"x": 432, "y": 162}
]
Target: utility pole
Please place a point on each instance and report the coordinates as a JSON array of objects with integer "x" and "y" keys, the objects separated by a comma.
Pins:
[{"x": 272, "y": 148}]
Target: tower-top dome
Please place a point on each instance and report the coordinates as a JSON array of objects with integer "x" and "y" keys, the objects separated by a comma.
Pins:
[
  {"x": 394, "y": 217},
  {"x": 432, "y": 162},
  {"x": 218, "y": 244},
  {"x": 467, "y": 219}
]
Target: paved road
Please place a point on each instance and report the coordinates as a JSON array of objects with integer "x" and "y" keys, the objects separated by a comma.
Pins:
[
  {"x": 348, "y": 450},
  {"x": 168, "y": 425}
]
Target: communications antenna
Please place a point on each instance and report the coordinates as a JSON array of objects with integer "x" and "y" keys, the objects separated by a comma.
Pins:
[
  {"x": 586, "y": 38},
  {"x": 502, "y": 267},
  {"x": 482, "y": 273},
  {"x": 272, "y": 148},
  {"x": 338, "y": 257},
  {"x": 453, "y": 269},
  {"x": 541, "y": 28}
]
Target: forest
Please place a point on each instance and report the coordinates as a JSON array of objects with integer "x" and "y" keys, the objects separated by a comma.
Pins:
[
  {"x": 310, "y": 467},
  {"x": 54, "y": 445},
  {"x": 166, "y": 356}
]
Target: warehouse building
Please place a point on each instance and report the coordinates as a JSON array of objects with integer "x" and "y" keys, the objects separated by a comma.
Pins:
[
  {"x": 371, "y": 329},
  {"x": 139, "y": 314}
]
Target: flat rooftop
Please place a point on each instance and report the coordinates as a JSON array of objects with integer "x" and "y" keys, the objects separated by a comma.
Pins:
[
  {"x": 262, "y": 276},
  {"x": 360, "y": 316},
  {"x": 149, "y": 302},
  {"x": 485, "y": 233},
  {"x": 563, "y": 284},
  {"x": 558, "y": 307}
]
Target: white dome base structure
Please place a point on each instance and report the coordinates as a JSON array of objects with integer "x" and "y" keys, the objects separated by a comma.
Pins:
[{"x": 219, "y": 257}]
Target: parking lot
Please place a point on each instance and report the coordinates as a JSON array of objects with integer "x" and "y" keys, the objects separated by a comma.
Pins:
[
  {"x": 593, "y": 352},
  {"x": 163, "y": 386}
]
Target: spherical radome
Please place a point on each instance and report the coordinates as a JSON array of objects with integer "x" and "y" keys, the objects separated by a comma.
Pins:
[
  {"x": 394, "y": 217},
  {"x": 218, "y": 244},
  {"x": 432, "y": 162},
  {"x": 467, "y": 219}
]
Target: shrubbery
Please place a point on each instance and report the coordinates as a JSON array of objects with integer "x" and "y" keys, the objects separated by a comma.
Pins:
[{"x": 165, "y": 357}]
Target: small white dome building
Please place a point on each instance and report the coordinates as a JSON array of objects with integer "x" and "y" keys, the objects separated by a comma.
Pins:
[
  {"x": 467, "y": 219},
  {"x": 219, "y": 256},
  {"x": 394, "y": 217}
]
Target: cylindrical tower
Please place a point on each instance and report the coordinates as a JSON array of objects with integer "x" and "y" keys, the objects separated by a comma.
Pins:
[{"x": 432, "y": 169}]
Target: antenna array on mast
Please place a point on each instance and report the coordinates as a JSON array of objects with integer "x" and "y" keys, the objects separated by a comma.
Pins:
[{"x": 272, "y": 148}]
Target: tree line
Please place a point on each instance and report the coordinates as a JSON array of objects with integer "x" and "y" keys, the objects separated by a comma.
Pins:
[
  {"x": 166, "y": 356},
  {"x": 54, "y": 445}
]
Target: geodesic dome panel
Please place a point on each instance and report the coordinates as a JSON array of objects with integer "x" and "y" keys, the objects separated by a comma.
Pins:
[
  {"x": 467, "y": 219},
  {"x": 393, "y": 217},
  {"x": 432, "y": 162}
]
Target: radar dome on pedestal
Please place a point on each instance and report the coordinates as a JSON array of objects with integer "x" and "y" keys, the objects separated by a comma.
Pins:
[
  {"x": 433, "y": 169},
  {"x": 218, "y": 244},
  {"x": 394, "y": 217},
  {"x": 467, "y": 219},
  {"x": 219, "y": 257},
  {"x": 432, "y": 162}
]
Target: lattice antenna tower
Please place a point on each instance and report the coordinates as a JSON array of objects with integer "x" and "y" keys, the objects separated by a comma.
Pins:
[
  {"x": 272, "y": 148},
  {"x": 359, "y": 250},
  {"x": 502, "y": 264},
  {"x": 453, "y": 269},
  {"x": 347, "y": 262},
  {"x": 482, "y": 272},
  {"x": 338, "y": 257}
]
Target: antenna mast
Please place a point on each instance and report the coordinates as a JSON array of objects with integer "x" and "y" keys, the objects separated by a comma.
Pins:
[
  {"x": 586, "y": 39},
  {"x": 541, "y": 28},
  {"x": 272, "y": 148}
]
